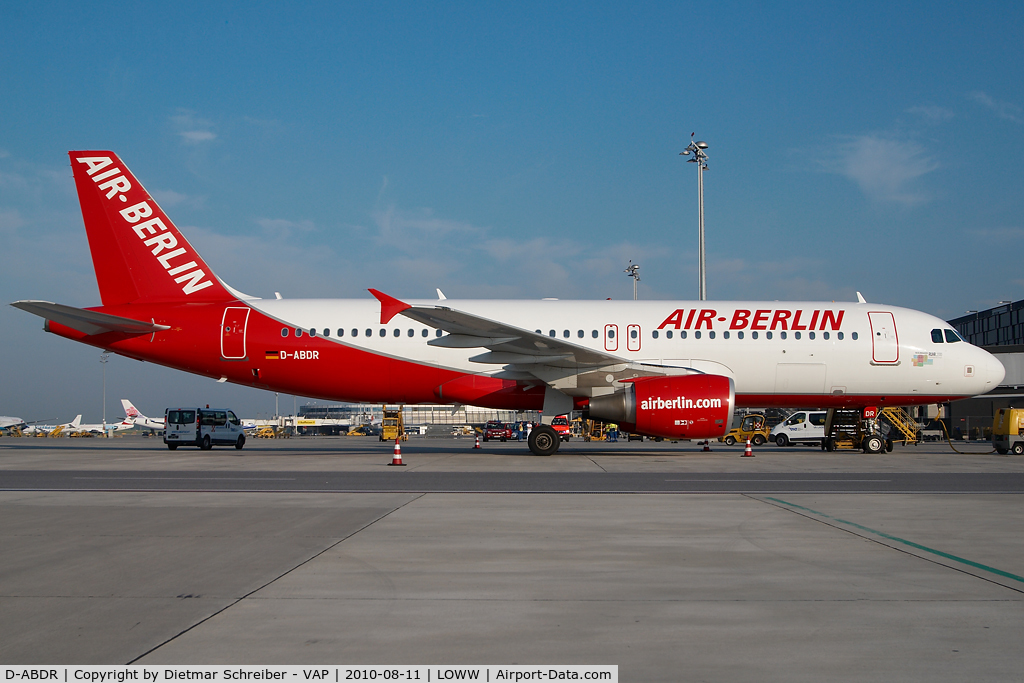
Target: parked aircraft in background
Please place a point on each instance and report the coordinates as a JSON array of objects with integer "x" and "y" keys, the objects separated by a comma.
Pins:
[
  {"x": 7, "y": 422},
  {"x": 137, "y": 419},
  {"x": 675, "y": 369}
]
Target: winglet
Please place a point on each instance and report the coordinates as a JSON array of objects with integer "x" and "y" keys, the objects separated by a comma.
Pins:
[{"x": 389, "y": 306}]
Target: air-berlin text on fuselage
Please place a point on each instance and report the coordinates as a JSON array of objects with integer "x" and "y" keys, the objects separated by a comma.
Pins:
[
  {"x": 153, "y": 232},
  {"x": 679, "y": 403},
  {"x": 758, "y": 319}
]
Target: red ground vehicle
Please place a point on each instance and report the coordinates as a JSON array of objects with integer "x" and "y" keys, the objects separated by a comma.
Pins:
[
  {"x": 495, "y": 430},
  {"x": 561, "y": 426}
]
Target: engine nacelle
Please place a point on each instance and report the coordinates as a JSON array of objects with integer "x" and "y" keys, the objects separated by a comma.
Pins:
[{"x": 675, "y": 407}]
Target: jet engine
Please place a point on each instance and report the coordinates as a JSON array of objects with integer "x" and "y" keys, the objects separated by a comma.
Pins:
[{"x": 676, "y": 407}]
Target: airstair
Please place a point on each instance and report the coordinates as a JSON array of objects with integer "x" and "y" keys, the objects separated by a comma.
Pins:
[{"x": 904, "y": 424}]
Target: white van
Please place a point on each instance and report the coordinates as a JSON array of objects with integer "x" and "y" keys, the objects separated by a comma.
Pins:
[
  {"x": 202, "y": 427},
  {"x": 804, "y": 427}
]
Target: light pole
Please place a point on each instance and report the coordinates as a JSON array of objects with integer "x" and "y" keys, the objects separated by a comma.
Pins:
[
  {"x": 695, "y": 150},
  {"x": 103, "y": 362},
  {"x": 634, "y": 272}
]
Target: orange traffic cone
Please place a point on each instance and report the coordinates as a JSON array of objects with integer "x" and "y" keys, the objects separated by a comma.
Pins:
[
  {"x": 397, "y": 458},
  {"x": 707, "y": 446},
  {"x": 747, "y": 452},
  {"x": 477, "y": 442}
]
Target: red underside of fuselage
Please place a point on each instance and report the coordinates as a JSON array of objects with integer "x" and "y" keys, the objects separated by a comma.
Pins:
[{"x": 339, "y": 372}]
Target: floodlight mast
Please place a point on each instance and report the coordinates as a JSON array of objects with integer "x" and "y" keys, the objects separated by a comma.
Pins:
[
  {"x": 695, "y": 150},
  {"x": 634, "y": 272}
]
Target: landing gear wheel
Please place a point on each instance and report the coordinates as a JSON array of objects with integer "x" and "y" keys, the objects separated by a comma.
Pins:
[
  {"x": 1000, "y": 451},
  {"x": 206, "y": 444},
  {"x": 544, "y": 440},
  {"x": 240, "y": 442},
  {"x": 782, "y": 440},
  {"x": 758, "y": 440},
  {"x": 729, "y": 441},
  {"x": 873, "y": 444},
  {"x": 172, "y": 446},
  {"x": 1018, "y": 448}
]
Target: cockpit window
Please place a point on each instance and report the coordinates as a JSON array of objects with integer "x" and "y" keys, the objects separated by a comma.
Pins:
[
  {"x": 937, "y": 336},
  {"x": 952, "y": 336}
]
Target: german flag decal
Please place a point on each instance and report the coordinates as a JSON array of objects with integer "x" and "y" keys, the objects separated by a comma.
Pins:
[{"x": 273, "y": 355}]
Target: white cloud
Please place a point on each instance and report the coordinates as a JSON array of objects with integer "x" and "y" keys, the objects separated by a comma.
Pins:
[
  {"x": 1004, "y": 110},
  {"x": 281, "y": 227},
  {"x": 168, "y": 198},
  {"x": 886, "y": 169},
  {"x": 192, "y": 129},
  {"x": 932, "y": 113}
]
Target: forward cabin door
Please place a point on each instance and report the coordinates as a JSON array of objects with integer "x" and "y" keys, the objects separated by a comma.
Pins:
[
  {"x": 232, "y": 333},
  {"x": 885, "y": 346}
]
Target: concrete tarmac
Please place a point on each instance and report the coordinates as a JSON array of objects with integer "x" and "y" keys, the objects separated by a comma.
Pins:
[{"x": 669, "y": 586}]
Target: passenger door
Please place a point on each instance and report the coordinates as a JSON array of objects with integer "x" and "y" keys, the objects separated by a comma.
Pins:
[
  {"x": 232, "y": 335},
  {"x": 885, "y": 347}
]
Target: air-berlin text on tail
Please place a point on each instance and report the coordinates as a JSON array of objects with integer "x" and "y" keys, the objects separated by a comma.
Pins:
[
  {"x": 152, "y": 232},
  {"x": 761, "y": 319},
  {"x": 679, "y": 403}
]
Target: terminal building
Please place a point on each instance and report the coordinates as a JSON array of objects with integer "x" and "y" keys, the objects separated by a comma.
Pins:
[{"x": 1000, "y": 331}]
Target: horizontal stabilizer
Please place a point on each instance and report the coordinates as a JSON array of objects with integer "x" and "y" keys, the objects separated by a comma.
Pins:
[{"x": 87, "y": 322}]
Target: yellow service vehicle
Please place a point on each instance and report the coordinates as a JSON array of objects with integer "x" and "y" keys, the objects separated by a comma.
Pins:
[
  {"x": 1008, "y": 431},
  {"x": 753, "y": 426},
  {"x": 392, "y": 427}
]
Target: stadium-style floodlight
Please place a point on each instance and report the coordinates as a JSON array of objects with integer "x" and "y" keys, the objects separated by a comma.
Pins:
[
  {"x": 695, "y": 150},
  {"x": 634, "y": 272}
]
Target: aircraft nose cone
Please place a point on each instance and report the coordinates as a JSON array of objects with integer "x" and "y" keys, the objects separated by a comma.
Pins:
[{"x": 993, "y": 372}]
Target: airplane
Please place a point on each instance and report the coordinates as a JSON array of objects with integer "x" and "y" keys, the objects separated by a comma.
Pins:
[
  {"x": 76, "y": 426},
  {"x": 133, "y": 416},
  {"x": 674, "y": 369},
  {"x": 7, "y": 421}
]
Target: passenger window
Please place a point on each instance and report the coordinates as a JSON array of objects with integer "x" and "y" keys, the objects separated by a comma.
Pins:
[
  {"x": 284, "y": 331},
  {"x": 438, "y": 333},
  {"x": 711, "y": 334},
  {"x": 767, "y": 335},
  {"x": 579, "y": 333},
  {"x": 312, "y": 332},
  {"x": 753, "y": 335},
  {"x": 593, "y": 333},
  {"x": 611, "y": 334},
  {"x": 824, "y": 335},
  {"x": 696, "y": 334},
  {"x": 355, "y": 332},
  {"x": 796, "y": 419},
  {"x": 682, "y": 334},
  {"x": 668, "y": 334},
  {"x": 936, "y": 336},
  {"x": 398, "y": 332},
  {"x": 206, "y": 419},
  {"x": 565, "y": 334},
  {"x": 796, "y": 334},
  {"x": 424, "y": 333},
  {"x": 853, "y": 336},
  {"x": 551, "y": 333},
  {"x": 632, "y": 334},
  {"x": 810, "y": 335},
  {"x": 654, "y": 334},
  {"x": 341, "y": 332},
  {"x": 952, "y": 337},
  {"x": 725, "y": 335},
  {"x": 298, "y": 332},
  {"x": 327, "y": 332},
  {"x": 782, "y": 335},
  {"x": 220, "y": 418},
  {"x": 412, "y": 332},
  {"x": 739, "y": 335},
  {"x": 369, "y": 332},
  {"x": 383, "y": 332},
  {"x": 839, "y": 336}
]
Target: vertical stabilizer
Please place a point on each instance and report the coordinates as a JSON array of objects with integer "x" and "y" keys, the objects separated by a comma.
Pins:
[{"x": 138, "y": 253}]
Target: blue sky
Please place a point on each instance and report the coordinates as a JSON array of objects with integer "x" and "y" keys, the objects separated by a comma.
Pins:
[{"x": 511, "y": 150}]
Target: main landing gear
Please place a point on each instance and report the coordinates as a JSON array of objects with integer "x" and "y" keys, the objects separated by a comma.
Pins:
[{"x": 544, "y": 440}]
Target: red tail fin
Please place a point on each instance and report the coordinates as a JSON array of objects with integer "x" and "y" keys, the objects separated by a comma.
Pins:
[{"x": 138, "y": 253}]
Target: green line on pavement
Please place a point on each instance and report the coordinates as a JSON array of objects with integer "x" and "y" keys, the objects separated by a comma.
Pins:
[{"x": 897, "y": 539}]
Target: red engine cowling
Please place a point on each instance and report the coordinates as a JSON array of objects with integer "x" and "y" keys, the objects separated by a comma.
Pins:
[{"x": 677, "y": 407}]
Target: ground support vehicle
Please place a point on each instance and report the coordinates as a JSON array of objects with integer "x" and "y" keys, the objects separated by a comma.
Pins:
[
  {"x": 753, "y": 427},
  {"x": 804, "y": 426},
  {"x": 849, "y": 428},
  {"x": 392, "y": 427},
  {"x": 561, "y": 425},
  {"x": 1008, "y": 431},
  {"x": 203, "y": 428},
  {"x": 497, "y": 431}
]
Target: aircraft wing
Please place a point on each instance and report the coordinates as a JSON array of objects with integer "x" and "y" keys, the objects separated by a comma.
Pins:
[
  {"x": 524, "y": 354},
  {"x": 87, "y": 322}
]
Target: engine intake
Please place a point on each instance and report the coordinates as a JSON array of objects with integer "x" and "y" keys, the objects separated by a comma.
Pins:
[{"x": 677, "y": 407}]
